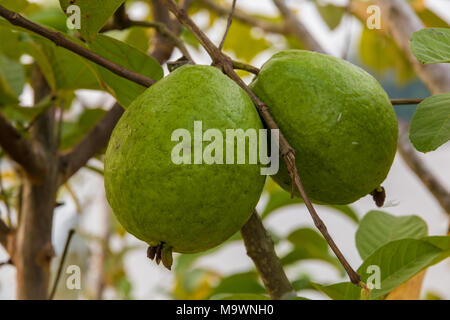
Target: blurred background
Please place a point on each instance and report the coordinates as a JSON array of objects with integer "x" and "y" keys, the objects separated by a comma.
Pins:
[{"x": 114, "y": 264}]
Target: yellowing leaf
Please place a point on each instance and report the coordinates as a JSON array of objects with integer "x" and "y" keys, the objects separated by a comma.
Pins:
[
  {"x": 410, "y": 290},
  {"x": 243, "y": 43}
]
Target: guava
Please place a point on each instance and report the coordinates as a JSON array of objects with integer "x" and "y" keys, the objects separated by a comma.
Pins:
[
  {"x": 338, "y": 119},
  {"x": 181, "y": 207}
]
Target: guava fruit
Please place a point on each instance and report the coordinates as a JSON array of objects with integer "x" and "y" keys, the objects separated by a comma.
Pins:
[
  {"x": 186, "y": 208},
  {"x": 338, "y": 119}
]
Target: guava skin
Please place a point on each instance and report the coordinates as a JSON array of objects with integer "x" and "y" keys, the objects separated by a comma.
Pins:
[
  {"x": 187, "y": 207},
  {"x": 338, "y": 119}
]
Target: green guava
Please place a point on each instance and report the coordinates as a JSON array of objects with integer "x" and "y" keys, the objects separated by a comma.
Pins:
[
  {"x": 338, "y": 119},
  {"x": 185, "y": 207}
]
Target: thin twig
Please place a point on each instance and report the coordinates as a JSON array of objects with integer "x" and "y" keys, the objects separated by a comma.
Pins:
[
  {"x": 226, "y": 64},
  {"x": 399, "y": 102},
  {"x": 247, "y": 19},
  {"x": 229, "y": 22},
  {"x": 60, "y": 40},
  {"x": 61, "y": 264}
]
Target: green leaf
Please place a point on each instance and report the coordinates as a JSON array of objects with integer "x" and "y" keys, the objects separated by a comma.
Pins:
[
  {"x": 302, "y": 283},
  {"x": 242, "y": 42},
  {"x": 11, "y": 46},
  {"x": 431, "y": 19},
  {"x": 308, "y": 244},
  {"x": 14, "y": 5},
  {"x": 12, "y": 80},
  {"x": 430, "y": 125},
  {"x": 340, "y": 291},
  {"x": 278, "y": 199},
  {"x": 63, "y": 69},
  {"x": 139, "y": 38},
  {"x": 346, "y": 210},
  {"x": 24, "y": 115},
  {"x": 241, "y": 296},
  {"x": 94, "y": 14},
  {"x": 123, "y": 54},
  {"x": 185, "y": 261},
  {"x": 378, "y": 228},
  {"x": 431, "y": 45},
  {"x": 73, "y": 132},
  {"x": 51, "y": 17},
  {"x": 331, "y": 14},
  {"x": 380, "y": 52},
  {"x": 246, "y": 282},
  {"x": 399, "y": 261}
]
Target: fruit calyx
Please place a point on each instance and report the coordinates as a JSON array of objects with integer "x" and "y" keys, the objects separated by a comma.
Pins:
[
  {"x": 161, "y": 252},
  {"x": 379, "y": 195}
]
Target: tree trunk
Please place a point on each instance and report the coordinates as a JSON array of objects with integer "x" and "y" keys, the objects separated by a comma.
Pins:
[{"x": 33, "y": 250}]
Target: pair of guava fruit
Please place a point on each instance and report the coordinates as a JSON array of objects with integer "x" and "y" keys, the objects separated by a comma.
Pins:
[{"x": 335, "y": 115}]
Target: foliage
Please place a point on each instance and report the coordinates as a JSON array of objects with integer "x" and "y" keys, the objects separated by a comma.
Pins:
[
  {"x": 430, "y": 126},
  {"x": 399, "y": 245}
]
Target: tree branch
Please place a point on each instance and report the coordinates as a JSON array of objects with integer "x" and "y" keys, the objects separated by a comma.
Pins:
[
  {"x": 297, "y": 28},
  {"x": 60, "y": 40},
  {"x": 96, "y": 139},
  {"x": 21, "y": 150},
  {"x": 260, "y": 249},
  {"x": 399, "y": 102},
  {"x": 226, "y": 64}
]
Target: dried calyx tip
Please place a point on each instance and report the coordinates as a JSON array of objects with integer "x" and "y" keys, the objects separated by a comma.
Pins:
[
  {"x": 161, "y": 253},
  {"x": 379, "y": 195}
]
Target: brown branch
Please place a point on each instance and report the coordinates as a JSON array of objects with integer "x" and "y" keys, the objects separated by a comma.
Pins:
[
  {"x": 260, "y": 249},
  {"x": 90, "y": 145},
  {"x": 229, "y": 22},
  {"x": 4, "y": 231},
  {"x": 61, "y": 264},
  {"x": 400, "y": 102},
  {"x": 248, "y": 19},
  {"x": 60, "y": 40},
  {"x": 21, "y": 150},
  {"x": 431, "y": 182},
  {"x": 226, "y": 64},
  {"x": 297, "y": 28}
]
